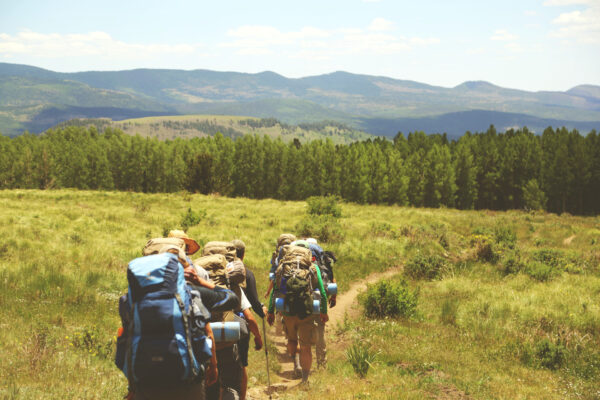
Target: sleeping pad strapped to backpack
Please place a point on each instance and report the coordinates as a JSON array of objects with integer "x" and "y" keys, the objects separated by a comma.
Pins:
[{"x": 164, "y": 341}]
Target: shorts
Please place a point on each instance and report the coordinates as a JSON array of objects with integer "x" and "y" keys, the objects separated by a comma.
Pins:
[
  {"x": 300, "y": 330},
  {"x": 243, "y": 347}
]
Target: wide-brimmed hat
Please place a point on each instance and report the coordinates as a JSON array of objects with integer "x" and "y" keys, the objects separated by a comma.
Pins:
[{"x": 191, "y": 245}]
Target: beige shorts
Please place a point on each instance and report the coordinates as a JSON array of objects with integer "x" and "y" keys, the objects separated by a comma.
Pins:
[{"x": 300, "y": 330}]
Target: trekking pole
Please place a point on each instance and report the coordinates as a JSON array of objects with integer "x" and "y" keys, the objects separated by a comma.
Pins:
[{"x": 267, "y": 357}]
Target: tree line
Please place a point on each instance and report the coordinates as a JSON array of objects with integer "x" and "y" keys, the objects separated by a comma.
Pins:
[{"x": 558, "y": 171}]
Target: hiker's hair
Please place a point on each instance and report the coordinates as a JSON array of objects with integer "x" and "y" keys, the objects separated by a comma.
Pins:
[{"x": 240, "y": 248}]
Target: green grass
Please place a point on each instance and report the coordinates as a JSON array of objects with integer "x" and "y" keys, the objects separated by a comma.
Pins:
[{"x": 479, "y": 329}]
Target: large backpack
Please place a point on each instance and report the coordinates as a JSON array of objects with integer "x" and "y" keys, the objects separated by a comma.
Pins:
[
  {"x": 296, "y": 279},
  {"x": 225, "y": 248},
  {"x": 165, "y": 325}
]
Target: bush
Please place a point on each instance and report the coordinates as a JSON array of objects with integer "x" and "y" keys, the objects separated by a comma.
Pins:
[
  {"x": 552, "y": 257},
  {"x": 389, "y": 299},
  {"x": 192, "y": 218},
  {"x": 512, "y": 263},
  {"x": 539, "y": 271},
  {"x": 361, "y": 358},
  {"x": 324, "y": 205},
  {"x": 322, "y": 227},
  {"x": 505, "y": 236},
  {"x": 485, "y": 248},
  {"x": 425, "y": 267},
  {"x": 549, "y": 355}
]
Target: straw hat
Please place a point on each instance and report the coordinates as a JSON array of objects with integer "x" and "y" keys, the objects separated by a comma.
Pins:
[{"x": 191, "y": 245}]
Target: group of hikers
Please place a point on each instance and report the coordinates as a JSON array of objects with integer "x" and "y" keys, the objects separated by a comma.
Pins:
[{"x": 186, "y": 324}]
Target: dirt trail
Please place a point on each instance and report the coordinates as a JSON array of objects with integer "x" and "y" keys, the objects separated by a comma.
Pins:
[
  {"x": 346, "y": 304},
  {"x": 568, "y": 240}
]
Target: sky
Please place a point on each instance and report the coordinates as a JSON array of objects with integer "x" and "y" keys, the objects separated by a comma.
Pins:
[{"x": 524, "y": 44}]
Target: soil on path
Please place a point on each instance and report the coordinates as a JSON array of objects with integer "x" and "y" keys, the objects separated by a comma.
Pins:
[{"x": 346, "y": 305}]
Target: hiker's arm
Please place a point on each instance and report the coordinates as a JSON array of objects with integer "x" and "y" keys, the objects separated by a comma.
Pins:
[
  {"x": 252, "y": 294},
  {"x": 212, "y": 373},
  {"x": 253, "y": 326},
  {"x": 192, "y": 277},
  {"x": 218, "y": 299},
  {"x": 269, "y": 289}
]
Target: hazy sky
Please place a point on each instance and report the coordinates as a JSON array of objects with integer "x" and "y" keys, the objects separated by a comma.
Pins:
[{"x": 524, "y": 44}]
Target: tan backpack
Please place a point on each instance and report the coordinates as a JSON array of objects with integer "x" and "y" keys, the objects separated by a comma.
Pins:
[
  {"x": 225, "y": 248},
  {"x": 154, "y": 246},
  {"x": 216, "y": 266}
]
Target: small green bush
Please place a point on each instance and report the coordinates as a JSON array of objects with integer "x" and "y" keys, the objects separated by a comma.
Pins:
[
  {"x": 324, "y": 205},
  {"x": 552, "y": 257},
  {"x": 505, "y": 236},
  {"x": 512, "y": 263},
  {"x": 485, "y": 248},
  {"x": 389, "y": 299},
  {"x": 192, "y": 218},
  {"x": 322, "y": 227},
  {"x": 361, "y": 358},
  {"x": 427, "y": 267},
  {"x": 540, "y": 271},
  {"x": 549, "y": 355}
]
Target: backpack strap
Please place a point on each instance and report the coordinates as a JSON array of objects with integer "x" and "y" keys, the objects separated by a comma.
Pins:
[
  {"x": 130, "y": 348},
  {"x": 188, "y": 333}
]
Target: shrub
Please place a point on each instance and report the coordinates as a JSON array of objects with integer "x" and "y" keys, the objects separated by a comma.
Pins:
[
  {"x": 89, "y": 340},
  {"x": 389, "y": 299},
  {"x": 424, "y": 267},
  {"x": 192, "y": 218},
  {"x": 539, "y": 271},
  {"x": 549, "y": 355},
  {"x": 551, "y": 257},
  {"x": 322, "y": 227},
  {"x": 324, "y": 205},
  {"x": 361, "y": 358},
  {"x": 485, "y": 248},
  {"x": 512, "y": 263},
  {"x": 505, "y": 236}
]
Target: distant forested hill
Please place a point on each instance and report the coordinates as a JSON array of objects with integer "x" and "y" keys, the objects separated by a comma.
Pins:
[{"x": 34, "y": 99}]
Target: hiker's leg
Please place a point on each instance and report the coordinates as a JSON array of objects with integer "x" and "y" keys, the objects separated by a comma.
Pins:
[
  {"x": 307, "y": 338},
  {"x": 244, "y": 345},
  {"x": 231, "y": 375}
]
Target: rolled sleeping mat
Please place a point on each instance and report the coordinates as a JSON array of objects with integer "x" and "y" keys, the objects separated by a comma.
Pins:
[
  {"x": 226, "y": 331},
  {"x": 280, "y": 305},
  {"x": 331, "y": 289}
]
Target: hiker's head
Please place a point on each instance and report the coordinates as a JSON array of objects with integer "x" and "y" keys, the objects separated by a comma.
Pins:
[
  {"x": 191, "y": 246},
  {"x": 240, "y": 248},
  {"x": 285, "y": 238}
]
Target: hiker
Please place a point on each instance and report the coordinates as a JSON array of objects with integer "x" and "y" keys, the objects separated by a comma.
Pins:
[
  {"x": 230, "y": 271},
  {"x": 257, "y": 307},
  {"x": 325, "y": 262},
  {"x": 296, "y": 276},
  {"x": 282, "y": 240},
  {"x": 154, "y": 319}
]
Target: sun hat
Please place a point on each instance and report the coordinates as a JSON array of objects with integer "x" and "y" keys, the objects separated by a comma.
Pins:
[{"x": 191, "y": 245}]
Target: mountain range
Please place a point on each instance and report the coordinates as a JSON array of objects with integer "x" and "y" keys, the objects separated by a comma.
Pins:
[{"x": 35, "y": 99}]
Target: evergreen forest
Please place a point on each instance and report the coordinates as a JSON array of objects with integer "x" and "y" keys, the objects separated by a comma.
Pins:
[{"x": 558, "y": 171}]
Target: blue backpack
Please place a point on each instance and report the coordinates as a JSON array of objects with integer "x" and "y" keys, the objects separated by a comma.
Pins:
[{"x": 164, "y": 341}]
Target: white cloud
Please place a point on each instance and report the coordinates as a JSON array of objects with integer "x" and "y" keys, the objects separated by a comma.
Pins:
[
  {"x": 55, "y": 45},
  {"x": 581, "y": 25},
  {"x": 503, "y": 35},
  {"x": 316, "y": 44},
  {"x": 551, "y": 3},
  {"x": 381, "y": 24}
]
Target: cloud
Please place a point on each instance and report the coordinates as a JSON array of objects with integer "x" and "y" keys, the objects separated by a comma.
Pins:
[
  {"x": 553, "y": 3},
  {"x": 317, "y": 44},
  {"x": 381, "y": 24},
  {"x": 54, "y": 45},
  {"x": 580, "y": 25},
  {"x": 503, "y": 35}
]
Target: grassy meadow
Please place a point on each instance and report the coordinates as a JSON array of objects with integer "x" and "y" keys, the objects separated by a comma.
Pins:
[{"x": 508, "y": 302}]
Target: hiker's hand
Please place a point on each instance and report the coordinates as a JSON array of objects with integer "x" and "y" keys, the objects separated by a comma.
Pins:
[
  {"x": 332, "y": 301},
  {"x": 258, "y": 344},
  {"x": 265, "y": 311},
  {"x": 324, "y": 318},
  {"x": 212, "y": 374},
  {"x": 270, "y": 318}
]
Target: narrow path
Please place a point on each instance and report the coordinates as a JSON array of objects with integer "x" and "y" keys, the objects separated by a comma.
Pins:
[
  {"x": 568, "y": 240},
  {"x": 346, "y": 305}
]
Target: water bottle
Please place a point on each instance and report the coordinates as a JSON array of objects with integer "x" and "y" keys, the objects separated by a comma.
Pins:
[
  {"x": 331, "y": 289},
  {"x": 271, "y": 276},
  {"x": 226, "y": 331}
]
